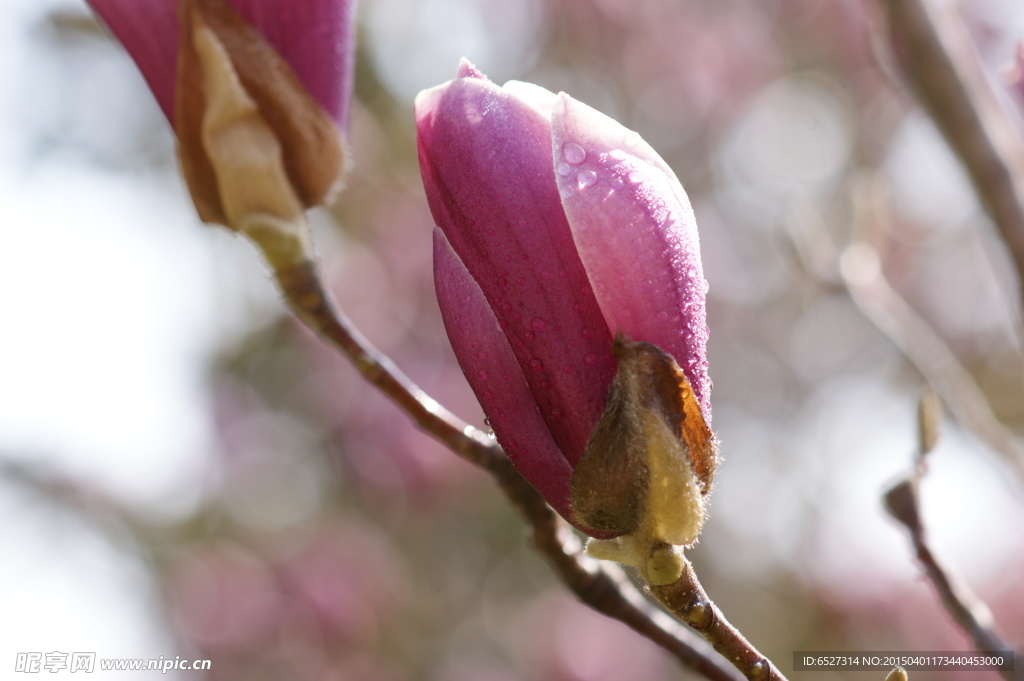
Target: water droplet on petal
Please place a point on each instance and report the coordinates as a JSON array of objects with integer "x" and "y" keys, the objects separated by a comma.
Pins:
[
  {"x": 635, "y": 176},
  {"x": 616, "y": 182},
  {"x": 632, "y": 138},
  {"x": 529, "y": 336},
  {"x": 567, "y": 368},
  {"x": 574, "y": 153},
  {"x": 563, "y": 169},
  {"x": 536, "y": 365},
  {"x": 590, "y": 359},
  {"x": 482, "y": 374},
  {"x": 706, "y": 286},
  {"x": 539, "y": 325},
  {"x": 586, "y": 178},
  {"x": 616, "y": 154},
  {"x": 661, "y": 316},
  {"x": 565, "y": 191}
]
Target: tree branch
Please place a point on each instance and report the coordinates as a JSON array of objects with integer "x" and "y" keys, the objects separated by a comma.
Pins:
[
  {"x": 902, "y": 503},
  {"x": 687, "y": 600},
  {"x": 935, "y": 54}
]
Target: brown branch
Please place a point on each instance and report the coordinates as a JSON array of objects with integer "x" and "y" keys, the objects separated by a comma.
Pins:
[
  {"x": 687, "y": 600},
  {"x": 935, "y": 54},
  {"x": 303, "y": 290},
  {"x": 603, "y": 588},
  {"x": 969, "y": 612}
]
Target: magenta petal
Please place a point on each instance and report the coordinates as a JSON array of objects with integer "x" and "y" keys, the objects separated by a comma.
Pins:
[
  {"x": 636, "y": 234},
  {"x": 148, "y": 29},
  {"x": 485, "y": 157},
  {"x": 497, "y": 379},
  {"x": 315, "y": 37}
]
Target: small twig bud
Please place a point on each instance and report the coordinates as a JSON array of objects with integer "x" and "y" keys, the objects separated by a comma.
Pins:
[
  {"x": 897, "y": 674},
  {"x": 929, "y": 417}
]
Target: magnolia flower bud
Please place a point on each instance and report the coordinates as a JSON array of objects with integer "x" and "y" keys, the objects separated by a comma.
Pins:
[
  {"x": 257, "y": 107},
  {"x": 568, "y": 273}
]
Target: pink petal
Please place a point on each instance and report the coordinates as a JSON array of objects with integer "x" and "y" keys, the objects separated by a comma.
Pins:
[
  {"x": 314, "y": 36},
  {"x": 636, "y": 234},
  {"x": 485, "y": 157},
  {"x": 497, "y": 379}
]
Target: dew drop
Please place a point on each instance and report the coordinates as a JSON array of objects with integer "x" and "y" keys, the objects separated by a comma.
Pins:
[
  {"x": 539, "y": 325},
  {"x": 556, "y": 412},
  {"x": 567, "y": 368},
  {"x": 617, "y": 182},
  {"x": 590, "y": 359},
  {"x": 482, "y": 354},
  {"x": 617, "y": 154},
  {"x": 563, "y": 169},
  {"x": 574, "y": 153},
  {"x": 536, "y": 365},
  {"x": 529, "y": 336},
  {"x": 706, "y": 286},
  {"x": 635, "y": 176},
  {"x": 482, "y": 374},
  {"x": 565, "y": 191},
  {"x": 502, "y": 282},
  {"x": 662, "y": 316},
  {"x": 632, "y": 138},
  {"x": 588, "y": 333},
  {"x": 586, "y": 178}
]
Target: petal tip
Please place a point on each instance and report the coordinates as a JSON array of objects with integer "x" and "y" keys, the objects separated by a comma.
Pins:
[{"x": 467, "y": 70}]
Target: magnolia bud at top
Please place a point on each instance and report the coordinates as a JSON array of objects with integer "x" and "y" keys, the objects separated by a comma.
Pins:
[
  {"x": 568, "y": 273},
  {"x": 257, "y": 92}
]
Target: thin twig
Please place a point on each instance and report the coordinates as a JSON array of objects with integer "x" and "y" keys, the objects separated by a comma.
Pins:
[
  {"x": 603, "y": 588},
  {"x": 304, "y": 291},
  {"x": 858, "y": 270},
  {"x": 902, "y": 503},
  {"x": 687, "y": 600},
  {"x": 935, "y": 54},
  {"x": 862, "y": 275}
]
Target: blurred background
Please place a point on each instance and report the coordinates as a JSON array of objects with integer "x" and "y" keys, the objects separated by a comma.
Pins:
[{"x": 186, "y": 471}]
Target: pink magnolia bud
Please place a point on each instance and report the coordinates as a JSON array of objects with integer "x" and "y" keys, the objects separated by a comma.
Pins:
[
  {"x": 568, "y": 256},
  {"x": 258, "y": 92},
  {"x": 315, "y": 37}
]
